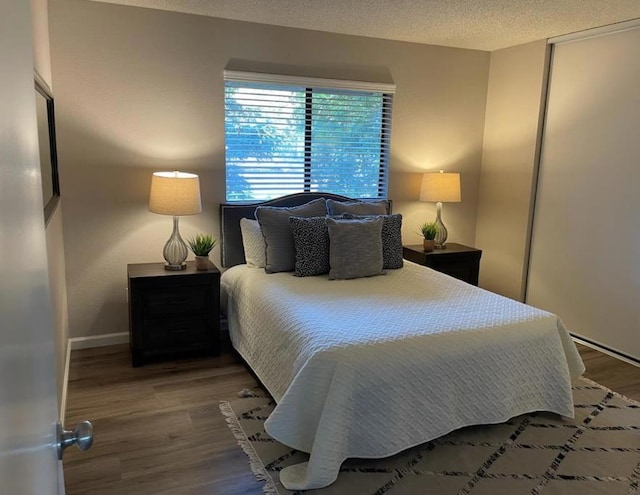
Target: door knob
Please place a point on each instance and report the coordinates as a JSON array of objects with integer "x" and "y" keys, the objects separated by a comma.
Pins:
[{"x": 81, "y": 436}]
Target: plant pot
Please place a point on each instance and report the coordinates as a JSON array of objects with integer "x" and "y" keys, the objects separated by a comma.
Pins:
[
  {"x": 202, "y": 263},
  {"x": 429, "y": 245}
]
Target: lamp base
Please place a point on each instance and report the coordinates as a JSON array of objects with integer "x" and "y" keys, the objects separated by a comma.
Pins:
[
  {"x": 175, "y": 268},
  {"x": 175, "y": 250},
  {"x": 441, "y": 232}
]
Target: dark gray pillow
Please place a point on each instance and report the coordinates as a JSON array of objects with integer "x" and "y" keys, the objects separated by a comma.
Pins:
[
  {"x": 311, "y": 241},
  {"x": 355, "y": 247},
  {"x": 370, "y": 207},
  {"x": 274, "y": 221},
  {"x": 391, "y": 239}
]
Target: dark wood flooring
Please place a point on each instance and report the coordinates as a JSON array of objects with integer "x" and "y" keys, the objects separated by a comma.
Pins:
[{"x": 158, "y": 429}]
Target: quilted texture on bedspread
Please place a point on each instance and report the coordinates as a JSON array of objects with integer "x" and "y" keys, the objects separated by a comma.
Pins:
[{"x": 370, "y": 367}]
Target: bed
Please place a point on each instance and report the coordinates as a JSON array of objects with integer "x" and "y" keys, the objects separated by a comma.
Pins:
[{"x": 368, "y": 367}]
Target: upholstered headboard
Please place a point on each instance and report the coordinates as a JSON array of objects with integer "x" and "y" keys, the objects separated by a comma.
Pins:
[{"x": 231, "y": 249}]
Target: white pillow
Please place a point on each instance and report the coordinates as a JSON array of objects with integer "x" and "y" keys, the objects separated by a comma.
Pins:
[{"x": 253, "y": 242}]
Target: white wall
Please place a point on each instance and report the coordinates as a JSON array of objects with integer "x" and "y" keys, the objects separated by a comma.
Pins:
[
  {"x": 40, "y": 25},
  {"x": 140, "y": 90},
  {"x": 58, "y": 290},
  {"x": 514, "y": 104}
]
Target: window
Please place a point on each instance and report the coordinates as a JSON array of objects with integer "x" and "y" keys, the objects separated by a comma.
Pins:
[{"x": 285, "y": 138}]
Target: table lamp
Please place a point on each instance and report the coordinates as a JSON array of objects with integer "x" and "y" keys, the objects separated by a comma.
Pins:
[
  {"x": 175, "y": 193},
  {"x": 440, "y": 188}
]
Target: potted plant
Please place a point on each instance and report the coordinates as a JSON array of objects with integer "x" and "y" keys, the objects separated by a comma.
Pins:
[
  {"x": 201, "y": 245},
  {"x": 429, "y": 231}
]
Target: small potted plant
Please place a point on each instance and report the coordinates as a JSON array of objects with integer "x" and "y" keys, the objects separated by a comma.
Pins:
[
  {"x": 429, "y": 231},
  {"x": 201, "y": 245}
]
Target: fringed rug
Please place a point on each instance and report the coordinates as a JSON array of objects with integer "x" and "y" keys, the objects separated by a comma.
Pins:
[{"x": 598, "y": 452}]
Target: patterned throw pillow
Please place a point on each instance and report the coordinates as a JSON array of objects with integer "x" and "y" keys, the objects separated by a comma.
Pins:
[
  {"x": 355, "y": 247},
  {"x": 391, "y": 239},
  {"x": 274, "y": 221},
  {"x": 311, "y": 240}
]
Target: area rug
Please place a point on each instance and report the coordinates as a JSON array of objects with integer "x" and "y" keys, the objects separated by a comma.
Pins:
[{"x": 598, "y": 452}]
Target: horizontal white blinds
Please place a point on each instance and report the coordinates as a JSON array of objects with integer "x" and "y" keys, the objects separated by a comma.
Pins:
[{"x": 283, "y": 138}]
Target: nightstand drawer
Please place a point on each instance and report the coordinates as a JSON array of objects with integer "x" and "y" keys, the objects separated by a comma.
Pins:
[
  {"x": 456, "y": 260},
  {"x": 177, "y": 334},
  {"x": 459, "y": 270},
  {"x": 176, "y": 300}
]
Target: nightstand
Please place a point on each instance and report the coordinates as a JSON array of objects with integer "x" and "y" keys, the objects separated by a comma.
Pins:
[
  {"x": 461, "y": 262},
  {"x": 172, "y": 313}
]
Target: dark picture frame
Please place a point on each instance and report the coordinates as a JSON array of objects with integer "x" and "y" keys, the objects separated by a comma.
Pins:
[{"x": 47, "y": 144}]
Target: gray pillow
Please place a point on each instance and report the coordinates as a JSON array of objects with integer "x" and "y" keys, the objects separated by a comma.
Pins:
[
  {"x": 355, "y": 248},
  {"x": 274, "y": 221},
  {"x": 311, "y": 240},
  {"x": 370, "y": 207},
  {"x": 391, "y": 239}
]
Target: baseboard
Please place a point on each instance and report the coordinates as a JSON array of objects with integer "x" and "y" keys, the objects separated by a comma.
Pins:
[
  {"x": 606, "y": 350},
  {"x": 98, "y": 340}
]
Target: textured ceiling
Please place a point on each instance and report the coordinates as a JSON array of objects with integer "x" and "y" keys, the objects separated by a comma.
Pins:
[{"x": 477, "y": 24}]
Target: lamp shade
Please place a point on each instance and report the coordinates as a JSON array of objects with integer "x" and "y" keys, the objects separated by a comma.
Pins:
[
  {"x": 440, "y": 187},
  {"x": 175, "y": 193}
]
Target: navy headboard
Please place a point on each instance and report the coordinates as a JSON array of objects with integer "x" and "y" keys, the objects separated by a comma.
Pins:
[{"x": 231, "y": 249}]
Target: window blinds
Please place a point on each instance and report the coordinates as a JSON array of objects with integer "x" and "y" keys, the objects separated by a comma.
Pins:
[{"x": 288, "y": 134}]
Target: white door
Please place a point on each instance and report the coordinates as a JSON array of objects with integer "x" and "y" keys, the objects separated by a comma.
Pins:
[{"x": 28, "y": 403}]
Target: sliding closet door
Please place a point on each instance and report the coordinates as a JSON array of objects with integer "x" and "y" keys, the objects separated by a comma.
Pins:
[{"x": 585, "y": 251}]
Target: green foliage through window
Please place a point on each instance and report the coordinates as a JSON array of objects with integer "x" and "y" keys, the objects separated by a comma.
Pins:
[{"x": 283, "y": 139}]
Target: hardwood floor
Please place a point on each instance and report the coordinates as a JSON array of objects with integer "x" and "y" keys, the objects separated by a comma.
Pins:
[
  {"x": 158, "y": 429},
  {"x": 612, "y": 373}
]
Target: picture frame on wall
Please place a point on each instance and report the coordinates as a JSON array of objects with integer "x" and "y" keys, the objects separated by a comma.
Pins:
[{"x": 47, "y": 144}]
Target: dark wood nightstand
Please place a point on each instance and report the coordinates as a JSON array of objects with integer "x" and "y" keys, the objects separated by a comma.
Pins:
[
  {"x": 461, "y": 262},
  {"x": 172, "y": 313}
]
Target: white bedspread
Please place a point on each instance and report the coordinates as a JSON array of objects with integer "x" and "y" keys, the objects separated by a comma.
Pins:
[{"x": 369, "y": 367}]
